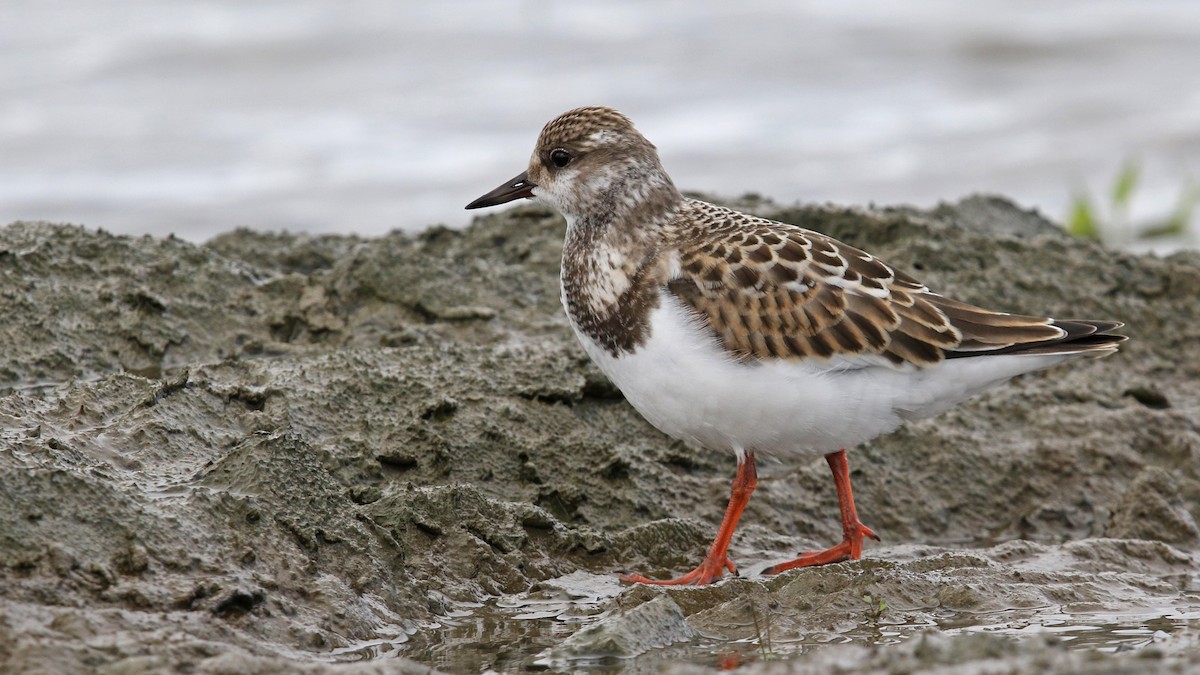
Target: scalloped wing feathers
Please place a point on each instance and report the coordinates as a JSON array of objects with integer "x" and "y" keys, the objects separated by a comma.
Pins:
[{"x": 772, "y": 290}]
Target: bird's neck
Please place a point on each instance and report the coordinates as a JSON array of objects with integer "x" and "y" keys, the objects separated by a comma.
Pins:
[{"x": 611, "y": 268}]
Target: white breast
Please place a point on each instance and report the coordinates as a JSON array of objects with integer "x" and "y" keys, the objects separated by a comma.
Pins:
[{"x": 686, "y": 385}]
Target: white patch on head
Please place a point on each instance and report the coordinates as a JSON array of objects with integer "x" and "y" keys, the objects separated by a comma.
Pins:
[
  {"x": 559, "y": 193},
  {"x": 603, "y": 136}
]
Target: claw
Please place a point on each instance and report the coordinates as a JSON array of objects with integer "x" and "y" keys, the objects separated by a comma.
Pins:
[
  {"x": 849, "y": 549},
  {"x": 706, "y": 573}
]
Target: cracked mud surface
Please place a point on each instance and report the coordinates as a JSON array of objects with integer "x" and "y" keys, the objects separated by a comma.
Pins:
[{"x": 278, "y": 452}]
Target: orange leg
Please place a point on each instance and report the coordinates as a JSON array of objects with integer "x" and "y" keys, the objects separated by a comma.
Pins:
[
  {"x": 716, "y": 562},
  {"x": 853, "y": 531}
]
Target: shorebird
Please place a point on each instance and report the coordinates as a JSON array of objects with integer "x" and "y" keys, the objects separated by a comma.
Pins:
[{"x": 743, "y": 334}]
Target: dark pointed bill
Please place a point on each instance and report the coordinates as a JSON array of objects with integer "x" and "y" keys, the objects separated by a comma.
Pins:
[{"x": 517, "y": 188}]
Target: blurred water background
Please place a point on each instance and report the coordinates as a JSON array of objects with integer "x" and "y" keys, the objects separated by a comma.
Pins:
[{"x": 193, "y": 117}]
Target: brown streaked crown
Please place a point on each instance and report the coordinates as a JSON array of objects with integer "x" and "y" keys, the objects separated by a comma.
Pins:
[{"x": 576, "y": 128}]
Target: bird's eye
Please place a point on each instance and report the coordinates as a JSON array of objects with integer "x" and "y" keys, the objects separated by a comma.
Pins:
[{"x": 560, "y": 157}]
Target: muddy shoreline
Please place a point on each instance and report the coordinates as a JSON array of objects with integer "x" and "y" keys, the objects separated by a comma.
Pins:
[{"x": 282, "y": 452}]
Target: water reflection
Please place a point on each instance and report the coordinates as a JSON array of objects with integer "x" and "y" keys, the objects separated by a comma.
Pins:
[{"x": 514, "y": 632}]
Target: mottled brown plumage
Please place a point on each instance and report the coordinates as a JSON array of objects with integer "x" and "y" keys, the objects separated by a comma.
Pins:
[{"x": 771, "y": 290}]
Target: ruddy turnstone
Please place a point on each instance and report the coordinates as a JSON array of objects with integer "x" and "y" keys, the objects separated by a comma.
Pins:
[{"x": 748, "y": 335}]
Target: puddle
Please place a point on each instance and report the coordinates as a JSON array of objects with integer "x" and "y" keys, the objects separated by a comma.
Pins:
[
  {"x": 504, "y": 634},
  {"x": 1110, "y": 633},
  {"x": 1102, "y": 631},
  {"x": 514, "y": 632}
]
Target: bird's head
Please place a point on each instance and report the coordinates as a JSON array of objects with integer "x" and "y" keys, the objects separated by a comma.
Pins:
[{"x": 586, "y": 161}]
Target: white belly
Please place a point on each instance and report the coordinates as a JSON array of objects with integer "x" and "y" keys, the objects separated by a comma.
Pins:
[{"x": 685, "y": 384}]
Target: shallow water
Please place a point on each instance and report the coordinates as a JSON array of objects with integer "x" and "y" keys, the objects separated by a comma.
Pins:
[
  {"x": 518, "y": 632},
  {"x": 1102, "y": 631},
  {"x": 474, "y": 641},
  {"x": 192, "y": 118}
]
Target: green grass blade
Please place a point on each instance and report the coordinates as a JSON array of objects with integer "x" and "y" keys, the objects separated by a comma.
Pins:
[
  {"x": 1177, "y": 224},
  {"x": 1082, "y": 223},
  {"x": 1125, "y": 184}
]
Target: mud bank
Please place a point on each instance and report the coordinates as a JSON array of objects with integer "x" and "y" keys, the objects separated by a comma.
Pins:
[{"x": 276, "y": 452}]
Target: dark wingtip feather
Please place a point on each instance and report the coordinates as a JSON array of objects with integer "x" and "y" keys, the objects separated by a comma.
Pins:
[{"x": 1080, "y": 336}]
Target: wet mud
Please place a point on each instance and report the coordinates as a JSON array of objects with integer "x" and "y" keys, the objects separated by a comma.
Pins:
[{"x": 288, "y": 453}]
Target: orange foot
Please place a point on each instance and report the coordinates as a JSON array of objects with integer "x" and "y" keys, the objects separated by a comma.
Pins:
[
  {"x": 707, "y": 572},
  {"x": 716, "y": 562},
  {"x": 849, "y": 549},
  {"x": 853, "y": 530}
]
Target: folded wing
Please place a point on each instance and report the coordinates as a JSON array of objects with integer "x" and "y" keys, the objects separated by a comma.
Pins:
[{"x": 776, "y": 291}]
